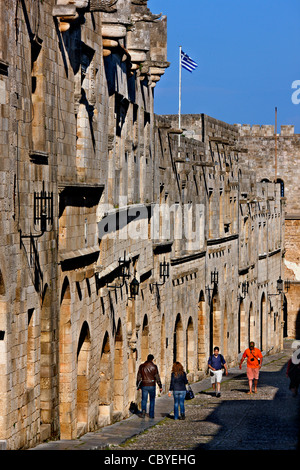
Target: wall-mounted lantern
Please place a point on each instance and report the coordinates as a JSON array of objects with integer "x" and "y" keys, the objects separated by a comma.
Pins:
[
  {"x": 245, "y": 286},
  {"x": 214, "y": 277},
  {"x": 164, "y": 273},
  {"x": 124, "y": 272},
  {"x": 134, "y": 288},
  {"x": 42, "y": 213},
  {"x": 281, "y": 284}
]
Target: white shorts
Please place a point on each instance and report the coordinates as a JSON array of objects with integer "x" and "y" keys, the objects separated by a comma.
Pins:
[{"x": 216, "y": 376}]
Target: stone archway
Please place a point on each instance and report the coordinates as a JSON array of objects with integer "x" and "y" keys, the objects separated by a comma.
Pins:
[
  {"x": 145, "y": 340},
  {"x": 242, "y": 342},
  {"x": 178, "y": 347},
  {"x": 201, "y": 332},
  {"x": 190, "y": 347},
  {"x": 105, "y": 385},
  {"x": 83, "y": 382},
  {"x": 251, "y": 335},
  {"x": 67, "y": 397},
  {"x": 162, "y": 350},
  {"x": 118, "y": 396},
  {"x": 225, "y": 332},
  {"x": 3, "y": 352},
  {"x": 215, "y": 323},
  {"x": 263, "y": 322}
]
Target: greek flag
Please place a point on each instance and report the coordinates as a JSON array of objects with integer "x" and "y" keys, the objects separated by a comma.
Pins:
[{"x": 187, "y": 63}]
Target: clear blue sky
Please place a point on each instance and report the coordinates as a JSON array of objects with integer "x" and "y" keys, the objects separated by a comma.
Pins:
[{"x": 248, "y": 55}]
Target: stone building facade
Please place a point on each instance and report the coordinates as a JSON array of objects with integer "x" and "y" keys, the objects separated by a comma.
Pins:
[
  {"x": 277, "y": 159},
  {"x": 95, "y": 191}
]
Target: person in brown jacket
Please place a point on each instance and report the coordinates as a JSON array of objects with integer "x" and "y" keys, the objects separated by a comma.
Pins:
[{"x": 147, "y": 377}]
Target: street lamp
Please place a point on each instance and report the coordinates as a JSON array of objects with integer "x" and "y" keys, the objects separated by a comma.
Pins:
[
  {"x": 214, "y": 277},
  {"x": 134, "y": 288},
  {"x": 281, "y": 284},
  {"x": 42, "y": 213},
  {"x": 164, "y": 273},
  {"x": 124, "y": 272},
  {"x": 245, "y": 286}
]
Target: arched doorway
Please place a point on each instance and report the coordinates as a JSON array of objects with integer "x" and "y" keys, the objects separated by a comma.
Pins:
[
  {"x": 178, "y": 344},
  {"x": 285, "y": 317},
  {"x": 263, "y": 320},
  {"x": 163, "y": 350},
  {"x": 251, "y": 336},
  {"x": 145, "y": 340},
  {"x": 67, "y": 400},
  {"x": 105, "y": 385},
  {"x": 225, "y": 332},
  {"x": 190, "y": 347},
  {"x": 31, "y": 349},
  {"x": 215, "y": 323},
  {"x": 3, "y": 353},
  {"x": 201, "y": 332},
  {"x": 119, "y": 372},
  {"x": 242, "y": 336},
  {"x": 83, "y": 382}
]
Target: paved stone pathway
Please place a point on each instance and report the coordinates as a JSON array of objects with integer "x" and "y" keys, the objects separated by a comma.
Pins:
[{"x": 268, "y": 420}]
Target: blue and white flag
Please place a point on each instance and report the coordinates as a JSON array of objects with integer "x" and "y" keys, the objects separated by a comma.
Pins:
[{"x": 187, "y": 63}]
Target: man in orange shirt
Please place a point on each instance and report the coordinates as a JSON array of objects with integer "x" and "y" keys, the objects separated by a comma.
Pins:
[{"x": 254, "y": 363}]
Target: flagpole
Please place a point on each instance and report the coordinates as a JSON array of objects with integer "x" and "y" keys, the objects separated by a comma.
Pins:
[{"x": 179, "y": 109}]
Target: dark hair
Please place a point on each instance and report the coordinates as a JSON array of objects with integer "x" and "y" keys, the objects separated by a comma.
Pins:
[
  {"x": 150, "y": 357},
  {"x": 177, "y": 369},
  {"x": 216, "y": 347}
]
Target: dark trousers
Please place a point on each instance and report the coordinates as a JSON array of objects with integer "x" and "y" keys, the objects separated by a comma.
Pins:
[{"x": 148, "y": 390}]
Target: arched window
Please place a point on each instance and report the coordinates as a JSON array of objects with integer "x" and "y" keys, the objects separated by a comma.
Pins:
[{"x": 279, "y": 180}]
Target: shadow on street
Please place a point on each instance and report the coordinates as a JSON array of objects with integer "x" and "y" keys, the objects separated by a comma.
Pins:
[{"x": 268, "y": 420}]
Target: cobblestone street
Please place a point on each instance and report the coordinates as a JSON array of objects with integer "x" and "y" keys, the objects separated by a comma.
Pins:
[{"x": 268, "y": 420}]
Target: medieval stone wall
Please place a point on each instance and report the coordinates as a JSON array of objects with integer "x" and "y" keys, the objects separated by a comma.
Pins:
[
  {"x": 259, "y": 141},
  {"x": 95, "y": 191}
]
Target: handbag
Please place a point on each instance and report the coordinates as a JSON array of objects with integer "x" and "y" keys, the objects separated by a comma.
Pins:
[{"x": 189, "y": 393}]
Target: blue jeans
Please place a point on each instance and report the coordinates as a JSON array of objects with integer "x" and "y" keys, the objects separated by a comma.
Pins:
[
  {"x": 179, "y": 397},
  {"x": 151, "y": 391}
]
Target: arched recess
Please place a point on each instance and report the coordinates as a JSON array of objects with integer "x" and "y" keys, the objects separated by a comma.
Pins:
[
  {"x": 119, "y": 371},
  {"x": 215, "y": 323},
  {"x": 225, "y": 332},
  {"x": 201, "y": 332},
  {"x": 190, "y": 347},
  {"x": 4, "y": 386},
  {"x": 242, "y": 338},
  {"x": 145, "y": 339},
  {"x": 251, "y": 336},
  {"x": 83, "y": 382},
  {"x": 105, "y": 385},
  {"x": 281, "y": 182},
  {"x": 178, "y": 348},
  {"x": 285, "y": 316},
  {"x": 48, "y": 352},
  {"x": 163, "y": 350},
  {"x": 263, "y": 321},
  {"x": 67, "y": 399},
  {"x": 132, "y": 358},
  {"x": 31, "y": 349}
]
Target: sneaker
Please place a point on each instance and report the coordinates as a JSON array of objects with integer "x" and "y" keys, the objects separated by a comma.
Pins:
[
  {"x": 218, "y": 394},
  {"x": 142, "y": 414}
]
